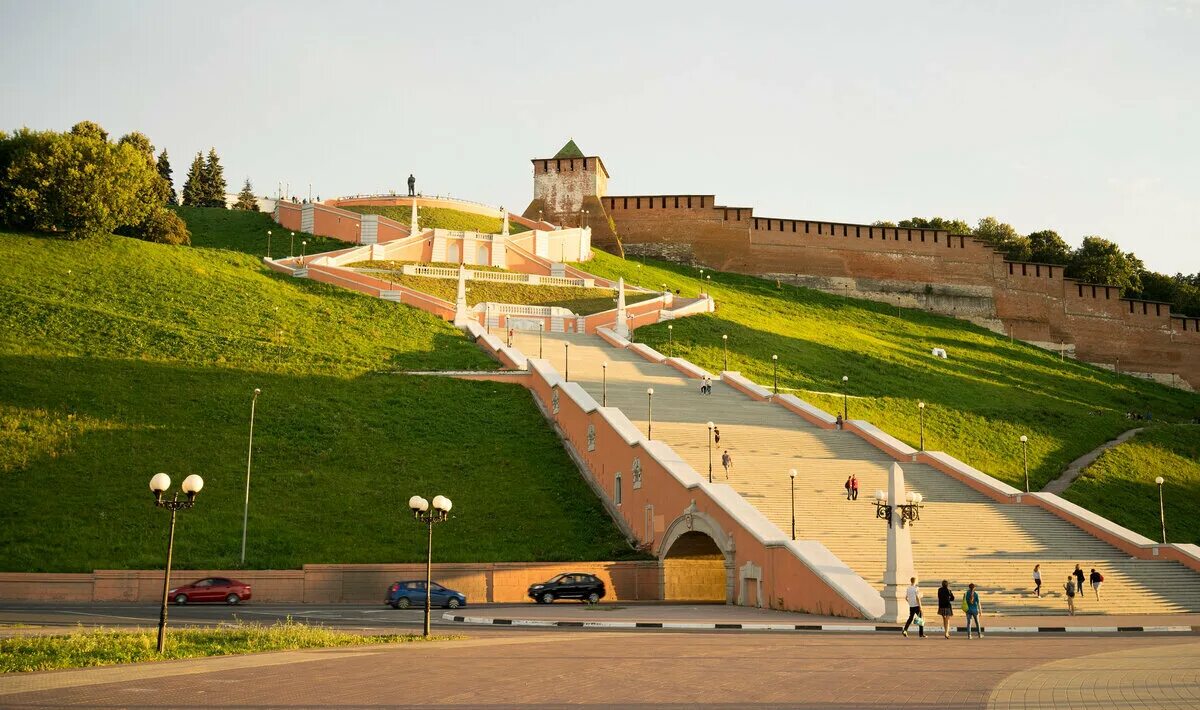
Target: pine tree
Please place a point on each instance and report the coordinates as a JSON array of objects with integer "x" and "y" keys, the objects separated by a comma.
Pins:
[
  {"x": 194, "y": 188},
  {"x": 214, "y": 181},
  {"x": 164, "y": 171},
  {"x": 246, "y": 199}
]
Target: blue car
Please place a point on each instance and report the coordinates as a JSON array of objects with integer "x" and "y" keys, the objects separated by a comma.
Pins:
[{"x": 402, "y": 595}]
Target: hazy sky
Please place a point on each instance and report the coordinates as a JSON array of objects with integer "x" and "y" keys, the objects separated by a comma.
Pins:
[{"x": 1082, "y": 117}]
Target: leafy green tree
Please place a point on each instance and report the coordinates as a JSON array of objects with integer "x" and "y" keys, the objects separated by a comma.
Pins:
[
  {"x": 1099, "y": 261},
  {"x": 77, "y": 184},
  {"x": 1004, "y": 237},
  {"x": 953, "y": 226},
  {"x": 158, "y": 191},
  {"x": 1046, "y": 247},
  {"x": 883, "y": 223},
  {"x": 246, "y": 199},
  {"x": 165, "y": 227},
  {"x": 214, "y": 181},
  {"x": 194, "y": 190},
  {"x": 163, "y": 165}
]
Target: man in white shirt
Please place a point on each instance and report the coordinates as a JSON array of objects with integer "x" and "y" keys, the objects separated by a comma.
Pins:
[{"x": 913, "y": 595}]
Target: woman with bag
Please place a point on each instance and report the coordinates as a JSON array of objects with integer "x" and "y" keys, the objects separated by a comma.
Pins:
[
  {"x": 972, "y": 607},
  {"x": 945, "y": 606}
]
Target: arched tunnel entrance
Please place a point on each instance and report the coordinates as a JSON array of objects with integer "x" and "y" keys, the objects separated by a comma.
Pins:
[{"x": 695, "y": 569}]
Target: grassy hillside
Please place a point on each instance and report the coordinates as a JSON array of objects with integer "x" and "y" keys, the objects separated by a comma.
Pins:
[
  {"x": 1121, "y": 482},
  {"x": 120, "y": 358},
  {"x": 441, "y": 217},
  {"x": 979, "y": 401}
]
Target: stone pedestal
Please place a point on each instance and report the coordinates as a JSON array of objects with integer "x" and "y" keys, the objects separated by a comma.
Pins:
[
  {"x": 900, "y": 567},
  {"x": 622, "y": 327},
  {"x": 412, "y": 220},
  {"x": 461, "y": 314}
]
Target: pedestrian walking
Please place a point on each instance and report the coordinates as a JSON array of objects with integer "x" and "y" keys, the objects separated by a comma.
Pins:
[
  {"x": 1078, "y": 579},
  {"x": 1037, "y": 581},
  {"x": 1070, "y": 588},
  {"x": 945, "y": 606},
  {"x": 727, "y": 462},
  {"x": 913, "y": 595},
  {"x": 716, "y": 430},
  {"x": 853, "y": 487},
  {"x": 971, "y": 601},
  {"x": 1096, "y": 579},
  {"x": 847, "y": 485},
  {"x": 839, "y": 422}
]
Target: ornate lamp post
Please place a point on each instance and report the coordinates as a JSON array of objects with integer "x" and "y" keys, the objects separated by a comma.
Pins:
[
  {"x": 909, "y": 512},
  {"x": 439, "y": 514},
  {"x": 159, "y": 485},
  {"x": 268, "y": 244},
  {"x": 1162, "y": 516},
  {"x": 710, "y": 430},
  {"x": 604, "y": 384},
  {"x": 845, "y": 398},
  {"x": 249, "y": 456},
  {"x": 649, "y": 410},
  {"x": 792, "y": 475},
  {"x": 775, "y": 365},
  {"x": 671, "y": 339},
  {"x": 921, "y": 416},
  {"x": 1025, "y": 459},
  {"x": 725, "y": 343}
]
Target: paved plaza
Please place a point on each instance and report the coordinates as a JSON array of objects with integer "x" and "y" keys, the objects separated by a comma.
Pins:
[{"x": 624, "y": 669}]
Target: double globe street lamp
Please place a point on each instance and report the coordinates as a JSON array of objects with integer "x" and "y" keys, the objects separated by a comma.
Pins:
[
  {"x": 159, "y": 484},
  {"x": 438, "y": 514}
]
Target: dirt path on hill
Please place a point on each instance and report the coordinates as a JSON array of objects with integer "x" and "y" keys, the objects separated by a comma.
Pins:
[{"x": 1076, "y": 467}]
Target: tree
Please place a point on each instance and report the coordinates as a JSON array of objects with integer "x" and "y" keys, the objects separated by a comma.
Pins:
[
  {"x": 953, "y": 226},
  {"x": 164, "y": 227},
  {"x": 246, "y": 199},
  {"x": 194, "y": 190},
  {"x": 883, "y": 223},
  {"x": 1046, "y": 247},
  {"x": 1099, "y": 261},
  {"x": 158, "y": 191},
  {"x": 164, "y": 171},
  {"x": 214, "y": 181},
  {"x": 76, "y": 183},
  {"x": 1004, "y": 237}
]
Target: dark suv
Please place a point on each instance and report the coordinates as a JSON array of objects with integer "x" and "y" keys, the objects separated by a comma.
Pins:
[{"x": 573, "y": 585}]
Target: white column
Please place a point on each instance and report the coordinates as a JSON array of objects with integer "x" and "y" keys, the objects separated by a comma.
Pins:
[
  {"x": 461, "y": 315},
  {"x": 899, "y": 553},
  {"x": 504, "y": 213},
  {"x": 412, "y": 220},
  {"x": 622, "y": 328}
]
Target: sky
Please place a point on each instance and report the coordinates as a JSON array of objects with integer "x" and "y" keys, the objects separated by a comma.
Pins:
[{"x": 1076, "y": 116}]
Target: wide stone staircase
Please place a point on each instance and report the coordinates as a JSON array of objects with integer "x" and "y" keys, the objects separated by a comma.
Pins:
[{"x": 962, "y": 536}]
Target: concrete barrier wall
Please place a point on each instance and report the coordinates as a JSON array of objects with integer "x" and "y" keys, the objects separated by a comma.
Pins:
[{"x": 321, "y": 584}]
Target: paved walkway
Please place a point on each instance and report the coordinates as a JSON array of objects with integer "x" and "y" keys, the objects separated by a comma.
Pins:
[
  {"x": 674, "y": 670},
  {"x": 1075, "y": 468}
]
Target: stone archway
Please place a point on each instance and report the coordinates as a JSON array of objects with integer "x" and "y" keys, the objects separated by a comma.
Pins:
[{"x": 697, "y": 560}]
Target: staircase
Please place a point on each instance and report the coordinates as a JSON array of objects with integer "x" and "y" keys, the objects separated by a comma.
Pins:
[{"x": 962, "y": 535}]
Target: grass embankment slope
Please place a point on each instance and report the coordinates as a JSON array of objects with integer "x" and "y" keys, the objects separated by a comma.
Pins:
[
  {"x": 581, "y": 301},
  {"x": 120, "y": 358},
  {"x": 1121, "y": 482},
  {"x": 441, "y": 218},
  {"x": 979, "y": 401}
]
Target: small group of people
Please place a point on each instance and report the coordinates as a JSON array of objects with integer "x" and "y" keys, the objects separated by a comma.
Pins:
[
  {"x": 706, "y": 385},
  {"x": 971, "y": 606},
  {"x": 852, "y": 488},
  {"x": 1138, "y": 416},
  {"x": 1074, "y": 586}
]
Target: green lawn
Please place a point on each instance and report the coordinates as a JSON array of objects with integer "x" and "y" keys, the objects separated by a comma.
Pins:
[
  {"x": 1121, "y": 482},
  {"x": 120, "y": 358},
  {"x": 442, "y": 217},
  {"x": 105, "y": 647},
  {"x": 979, "y": 401},
  {"x": 581, "y": 301},
  {"x": 246, "y": 232}
]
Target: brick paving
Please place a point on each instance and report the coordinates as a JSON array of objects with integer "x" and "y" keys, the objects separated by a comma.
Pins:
[{"x": 626, "y": 669}]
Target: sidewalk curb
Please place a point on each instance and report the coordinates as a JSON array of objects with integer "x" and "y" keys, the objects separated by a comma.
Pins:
[{"x": 834, "y": 628}]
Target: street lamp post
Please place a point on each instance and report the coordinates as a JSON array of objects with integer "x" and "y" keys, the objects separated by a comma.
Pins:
[
  {"x": 604, "y": 384},
  {"x": 701, "y": 282},
  {"x": 1025, "y": 459},
  {"x": 541, "y": 329},
  {"x": 629, "y": 325},
  {"x": 710, "y": 430},
  {"x": 159, "y": 485},
  {"x": 1162, "y": 516},
  {"x": 567, "y": 362},
  {"x": 249, "y": 456},
  {"x": 792, "y": 475},
  {"x": 268, "y": 244},
  {"x": 845, "y": 398},
  {"x": 292, "y": 246},
  {"x": 725, "y": 344},
  {"x": 921, "y": 416},
  {"x": 775, "y": 365},
  {"x": 671, "y": 339},
  {"x": 303, "y": 250},
  {"x": 649, "y": 410},
  {"x": 439, "y": 514}
]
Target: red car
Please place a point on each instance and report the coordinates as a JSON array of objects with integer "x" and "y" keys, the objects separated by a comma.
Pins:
[{"x": 213, "y": 589}]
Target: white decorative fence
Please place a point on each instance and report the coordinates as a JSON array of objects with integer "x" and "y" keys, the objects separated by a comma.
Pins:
[{"x": 447, "y": 272}]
